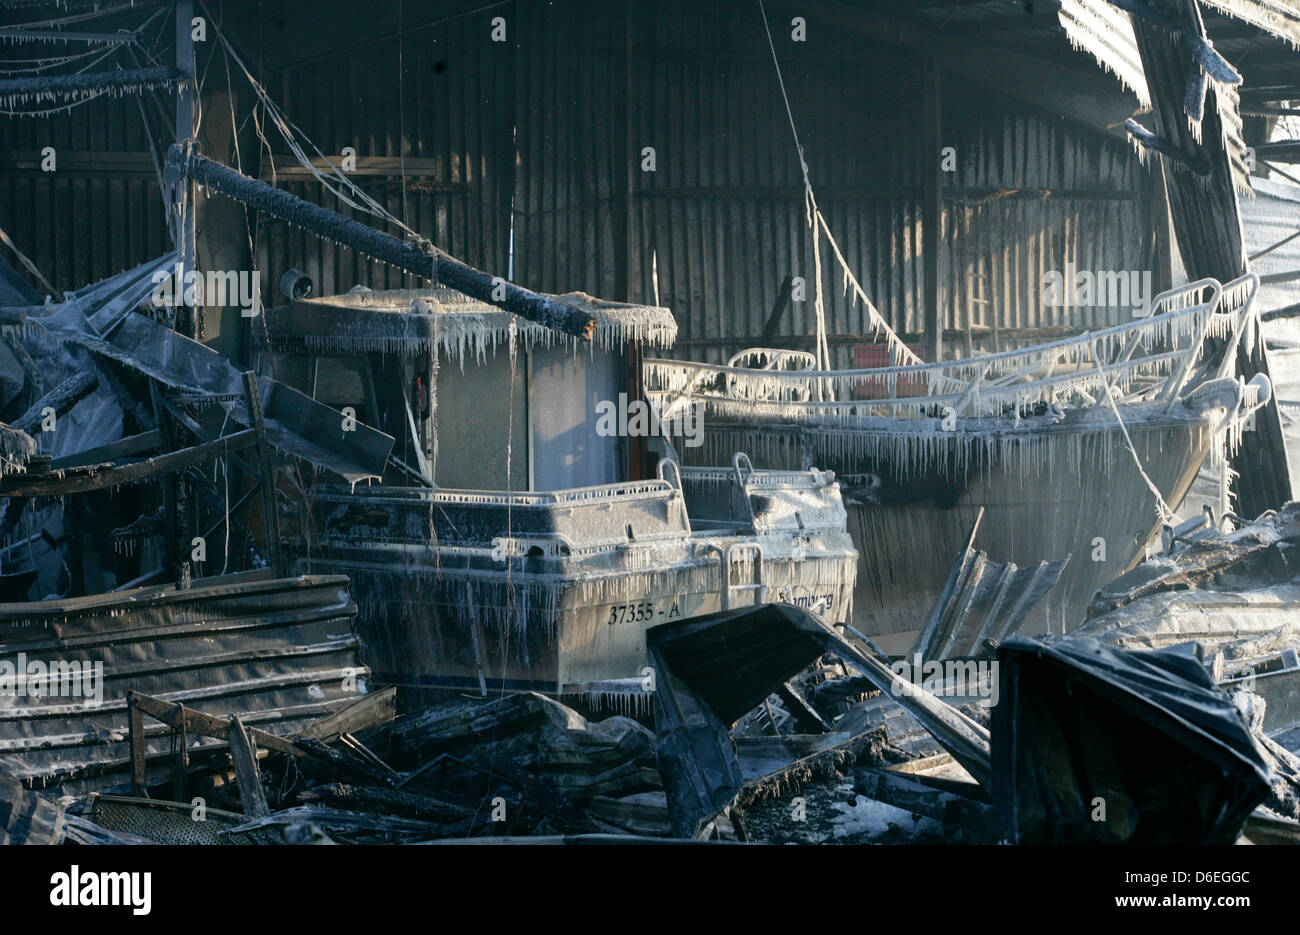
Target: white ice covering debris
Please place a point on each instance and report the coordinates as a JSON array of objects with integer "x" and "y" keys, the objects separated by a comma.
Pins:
[
  {"x": 872, "y": 818},
  {"x": 1105, "y": 31},
  {"x": 409, "y": 321},
  {"x": 15, "y": 448},
  {"x": 1280, "y": 17}
]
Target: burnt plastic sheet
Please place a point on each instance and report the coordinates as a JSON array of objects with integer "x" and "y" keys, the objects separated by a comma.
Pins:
[
  {"x": 1097, "y": 745},
  {"x": 712, "y": 669}
]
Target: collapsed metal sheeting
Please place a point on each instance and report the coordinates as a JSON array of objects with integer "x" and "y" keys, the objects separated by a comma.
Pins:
[
  {"x": 1096, "y": 745},
  {"x": 1106, "y": 31},
  {"x": 279, "y": 652},
  {"x": 982, "y": 603},
  {"x": 712, "y": 669},
  {"x": 101, "y": 319}
]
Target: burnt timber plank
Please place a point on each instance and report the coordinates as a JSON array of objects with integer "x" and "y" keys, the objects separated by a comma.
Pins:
[{"x": 31, "y": 485}]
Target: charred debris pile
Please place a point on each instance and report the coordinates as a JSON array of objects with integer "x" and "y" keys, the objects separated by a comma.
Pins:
[
  {"x": 768, "y": 725},
  {"x": 184, "y": 678}
]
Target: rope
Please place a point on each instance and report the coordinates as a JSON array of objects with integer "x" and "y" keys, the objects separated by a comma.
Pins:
[
  {"x": 288, "y": 129},
  {"x": 1162, "y": 509},
  {"x": 31, "y": 267},
  {"x": 901, "y": 353}
]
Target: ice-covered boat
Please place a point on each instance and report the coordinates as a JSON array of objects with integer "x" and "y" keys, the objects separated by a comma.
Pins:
[
  {"x": 509, "y": 547},
  {"x": 1079, "y": 447}
]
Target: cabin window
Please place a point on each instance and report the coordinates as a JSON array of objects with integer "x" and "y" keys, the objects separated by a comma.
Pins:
[
  {"x": 340, "y": 381},
  {"x": 564, "y": 389},
  {"x": 476, "y": 409}
]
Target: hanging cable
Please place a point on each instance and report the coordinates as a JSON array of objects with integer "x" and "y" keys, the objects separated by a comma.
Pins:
[
  {"x": 1162, "y": 508},
  {"x": 900, "y": 352},
  {"x": 290, "y": 132}
]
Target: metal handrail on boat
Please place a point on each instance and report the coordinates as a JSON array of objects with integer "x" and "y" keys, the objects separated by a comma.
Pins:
[{"x": 1071, "y": 371}]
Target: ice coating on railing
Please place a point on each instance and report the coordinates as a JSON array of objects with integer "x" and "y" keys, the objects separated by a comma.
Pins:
[
  {"x": 1137, "y": 361},
  {"x": 1060, "y": 372}
]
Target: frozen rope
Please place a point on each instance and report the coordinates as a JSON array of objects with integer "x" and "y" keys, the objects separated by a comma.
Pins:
[
  {"x": 83, "y": 17},
  {"x": 31, "y": 267},
  {"x": 900, "y": 352},
  {"x": 1162, "y": 509},
  {"x": 44, "y": 64}
]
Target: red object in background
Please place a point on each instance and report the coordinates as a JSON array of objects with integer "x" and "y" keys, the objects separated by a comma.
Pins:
[{"x": 874, "y": 356}]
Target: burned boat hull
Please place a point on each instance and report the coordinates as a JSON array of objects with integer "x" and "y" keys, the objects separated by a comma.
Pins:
[
  {"x": 1079, "y": 447},
  {"x": 554, "y": 592},
  {"x": 1070, "y": 489}
]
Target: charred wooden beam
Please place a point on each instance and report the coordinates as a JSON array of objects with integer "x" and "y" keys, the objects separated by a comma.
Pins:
[
  {"x": 247, "y": 775},
  {"x": 375, "y": 708},
  {"x": 122, "y": 448},
  {"x": 34, "y": 485},
  {"x": 330, "y": 225},
  {"x": 205, "y": 725},
  {"x": 1290, "y": 311},
  {"x": 773, "y": 325}
]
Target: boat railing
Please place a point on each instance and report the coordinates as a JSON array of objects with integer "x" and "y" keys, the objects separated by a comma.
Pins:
[
  {"x": 597, "y": 494},
  {"x": 758, "y": 478},
  {"x": 1147, "y": 359}
]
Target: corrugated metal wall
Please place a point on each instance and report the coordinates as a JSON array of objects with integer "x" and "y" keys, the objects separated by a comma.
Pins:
[
  {"x": 527, "y": 130},
  {"x": 1032, "y": 193},
  {"x": 456, "y": 107},
  {"x": 100, "y": 211},
  {"x": 724, "y": 214}
]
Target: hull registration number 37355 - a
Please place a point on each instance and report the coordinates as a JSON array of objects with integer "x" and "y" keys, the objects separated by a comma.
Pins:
[{"x": 643, "y": 612}]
